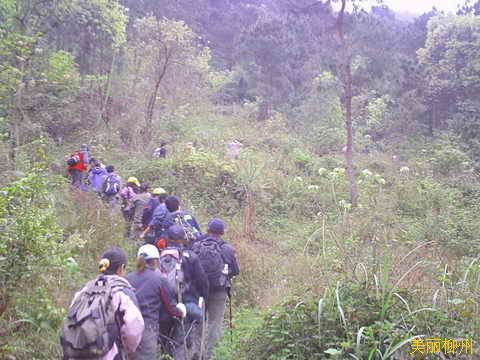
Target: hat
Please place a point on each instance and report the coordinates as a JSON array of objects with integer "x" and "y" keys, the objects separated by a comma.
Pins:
[
  {"x": 111, "y": 260},
  {"x": 133, "y": 180},
  {"x": 110, "y": 168},
  {"x": 176, "y": 232},
  {"x": 158, "y": 191},
  {"x": 148, "y": 252},
  {"x": 216, "y": 226}
]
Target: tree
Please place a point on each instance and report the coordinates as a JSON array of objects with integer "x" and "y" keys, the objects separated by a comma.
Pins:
[
  {"x": 451, "y": 67},
  {"x": 345, "y": 70}
]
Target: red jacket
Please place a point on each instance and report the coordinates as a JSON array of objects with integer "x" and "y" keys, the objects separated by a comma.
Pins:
[{"x": 80, "y": 165}]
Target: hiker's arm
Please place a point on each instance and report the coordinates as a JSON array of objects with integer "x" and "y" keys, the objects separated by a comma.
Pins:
[
  {"x": 133, "y": 325},
  {"x": 167, "y": 296},
  {"x": 231, "y": 259},
  {"x": 195, "y": 224}
]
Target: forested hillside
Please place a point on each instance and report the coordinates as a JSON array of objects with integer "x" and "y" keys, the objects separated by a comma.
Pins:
[{"x": 354, "y": 203}]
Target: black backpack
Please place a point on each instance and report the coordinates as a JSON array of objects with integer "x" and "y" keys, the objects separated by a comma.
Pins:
[
  {"x": 209, "y": 252},
  {"x": 183, "y": 219},
  {"x": 92, "y": 325},
  {"x": 73, "y": 160}
]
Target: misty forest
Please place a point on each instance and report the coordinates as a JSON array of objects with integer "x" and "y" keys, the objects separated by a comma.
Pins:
[{"x": 338, "y": 140}]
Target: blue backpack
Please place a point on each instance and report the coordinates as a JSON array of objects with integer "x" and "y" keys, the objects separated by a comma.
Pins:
[{"x": 112, "y": 185}]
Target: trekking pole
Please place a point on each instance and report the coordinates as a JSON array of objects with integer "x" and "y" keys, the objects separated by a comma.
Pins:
[
  {"x": 180, "y": 300},
  {"x": 231, "y": 318},
  {"x": 201, "y": 303}
]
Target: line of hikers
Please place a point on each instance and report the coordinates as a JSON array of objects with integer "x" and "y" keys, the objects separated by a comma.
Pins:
[{"x": 174, "y": 303}]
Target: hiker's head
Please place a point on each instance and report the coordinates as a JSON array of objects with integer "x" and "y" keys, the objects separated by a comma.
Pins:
[
  {"x": 94, "y": 162},
  {"x": 113, "y": 262},
  {"x": 172, "y": 203},
  {"x": 176, "y": 235},
  {"x": 144, "y": 187},
  {"x": 163, "y": 143},
  {"x": 110, "y": 169},
  {"x": 147, "y": 256},
  {"x": 160, "y": 193},
  {"x": 133, "y": 181},
  {"x": 84, "y": 147},
  {"x": 216, "y": 227}
]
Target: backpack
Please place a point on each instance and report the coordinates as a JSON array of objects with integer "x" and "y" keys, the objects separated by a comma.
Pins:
[
  {"x": 171, "y": 268},
  {"x": 182, "y": 219},
  {"x": 112, "y": 185},
  {"x": 92, "y": 325},
  {"x": 74, "y": 159},
  {"x": 210, "y": 254}
]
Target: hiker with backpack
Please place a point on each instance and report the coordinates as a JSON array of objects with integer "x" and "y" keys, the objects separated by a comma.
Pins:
[
  {"x": 140, "y": 201},
  {"x": 127, "y": 194},
  {"x": 96, "y": 176},
  {"x": 183, "y": 270},
  {"x": 161, "y": 152},
  {"x": 156, "y": 300},
  {"x": 77, "y": 166},
  {"x": 111, "y": 186},
  {"x": 118, "y": 331},
  {"x": 158, "y": 198},
  {"x": 219, "y": 262},
  {"x": 176, "y": 215}
]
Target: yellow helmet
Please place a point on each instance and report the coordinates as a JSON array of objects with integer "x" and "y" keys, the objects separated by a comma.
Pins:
[
  {"x": 133, "y": 180},
  {"x": 158, "y": 191}
]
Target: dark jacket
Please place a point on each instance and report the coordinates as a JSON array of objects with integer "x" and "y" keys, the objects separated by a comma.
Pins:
[
  {"x": 155, "y": 296},
  {"x": 149, "y": 210}
]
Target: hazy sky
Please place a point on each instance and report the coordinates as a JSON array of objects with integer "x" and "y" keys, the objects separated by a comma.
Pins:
[{"x": 421, "y": 6}]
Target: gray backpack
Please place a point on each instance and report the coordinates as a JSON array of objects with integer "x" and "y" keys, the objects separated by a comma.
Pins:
[{"x": 93, "y": 324}]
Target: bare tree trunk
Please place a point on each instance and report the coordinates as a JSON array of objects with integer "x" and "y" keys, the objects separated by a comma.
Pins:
[
  {"x": 346, "y": 74},
  {"x": 153, "y": 97}
]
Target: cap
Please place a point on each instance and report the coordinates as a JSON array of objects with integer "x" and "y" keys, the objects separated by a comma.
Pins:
[
  {"x": 158, "y": 191},
  {"x": 216, "y": 226},
  {"x": 148, "y": 251},
  {"x": 176, "y": 232},
  {"x": 133, "y": 180},
  {"x": 111, "y": 260}
]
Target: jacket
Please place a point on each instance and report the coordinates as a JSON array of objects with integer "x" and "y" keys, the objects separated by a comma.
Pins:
[
  {"x": 149, "y": 210},
  {"x": 154, "y": 295},
  {"x": 97, "y": 177},
  {"x": 81, "y": 165}
]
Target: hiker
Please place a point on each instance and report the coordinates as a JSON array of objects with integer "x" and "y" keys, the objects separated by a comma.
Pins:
[
  {"x": 127, "y": 194},
  {"x": 97, "y": 175},
  {"x": 157, "y": 226},
  {"x": 161, "y": 152},
  {"x": 219, "y": 262},
  {"x": 176, "y": 215},
  {"x": 156, "y": 299},
  {"x": 191, "y": 289},
  {"x": 111, "y": 186},
  {"x": 140, "y": 201},
  {"x": 77, "y": 166},
  {"x": 158, "y": 197},
  {"x": 118, "y": 331},
  {"x": 234, "y": 149},
  {"x": 157, "y": 200}
]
